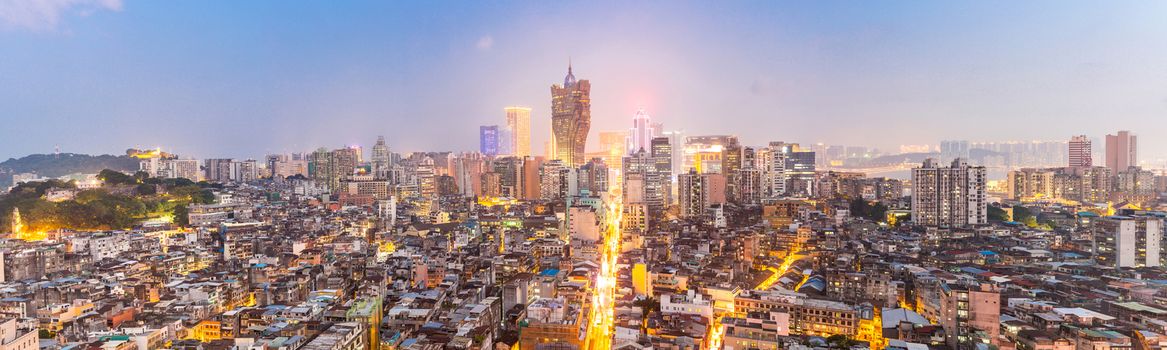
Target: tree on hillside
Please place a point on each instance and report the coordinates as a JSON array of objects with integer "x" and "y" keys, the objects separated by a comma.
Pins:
[
  {"x": 180, "y": 214},
  {"x": 996, "y": 213},
  {"x": 141, "y": 176},
  {"x": 146, "y": 190},
  {"x": 1023, "y": 215},
  {"x": 38, "y": 188},
  {"x": 114, "y": 177},
  {"x": 56, "y": 165},
  {"x": 875, "y": 212}
]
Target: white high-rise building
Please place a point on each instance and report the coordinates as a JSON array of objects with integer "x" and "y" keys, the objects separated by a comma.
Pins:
[
  {"x": 952, "y": 196},
  {"x": 677, "y": 140},
  {"x": 656, "y": 182},
  {"x": 170, "y": 168},
  {"x": 641, "y": 134},
  {"x": 183, "y": 168},
  {"x": 381, "y": 161},
  {"x": 1129, "y": 241},
  {"x": 775, "y": 175}
]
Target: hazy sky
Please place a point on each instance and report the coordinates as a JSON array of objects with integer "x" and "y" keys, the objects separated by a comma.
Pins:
[{"x": 245, "y": 78}]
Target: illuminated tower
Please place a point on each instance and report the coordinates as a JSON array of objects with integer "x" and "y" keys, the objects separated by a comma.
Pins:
[
  {"x": 571, "y": 118},
  {"x": 642, "y": 132},
  {"x": 519, "y": 121},
  {"x": 488, "y": 140}
]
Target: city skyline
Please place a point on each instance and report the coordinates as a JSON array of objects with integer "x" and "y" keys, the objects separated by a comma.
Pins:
[
  {"x": 117, "y": 66},
  {"x": 743, "y": 175}
]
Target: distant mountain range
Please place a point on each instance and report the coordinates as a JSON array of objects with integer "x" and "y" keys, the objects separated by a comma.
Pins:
[
  {"x": 976, "y": 156},
  {"x": 54, "y": 165}
]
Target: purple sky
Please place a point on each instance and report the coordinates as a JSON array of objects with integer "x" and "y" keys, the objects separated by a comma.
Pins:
[{"x": 241, "y": 79}]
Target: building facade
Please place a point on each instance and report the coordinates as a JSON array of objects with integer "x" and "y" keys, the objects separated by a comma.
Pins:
[
  {"x": 952, "y": 196},
  {"x": 488, "y": 140},
  {"x": 1080, "y": 152},
  {"x": 1121, "y": 151},
  {"x": 641, "y": 133},
  {"x": 1129, "y": 241},
  {"x": 699, "y": 191},
  {"x": 571, "y": 118},
  {"x": 519, "y": 122}
]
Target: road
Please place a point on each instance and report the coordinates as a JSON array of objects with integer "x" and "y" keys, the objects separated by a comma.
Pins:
[
  {"x": 777, "y": 273},
  {"x": 716, "y": 332},
  {"x": 603, "y": 308}
]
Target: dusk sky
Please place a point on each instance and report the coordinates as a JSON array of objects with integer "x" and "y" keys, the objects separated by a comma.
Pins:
[{"x": 247, "y": 78}]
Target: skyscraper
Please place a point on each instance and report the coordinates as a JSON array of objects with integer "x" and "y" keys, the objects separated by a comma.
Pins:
[
  {"x": 952, "y": 196},
  {"x": 731, "y": 163},
  {"x": 704, "y": 153},
  {"x": 344, "y": 161},
  {"x": 531, "y": 180},
  {"x": 593, "y": 176},
  {"x": 510, "y": 171},
  {"x": 800, "y": 167},
  {"x": 771, "y": 162},
  {"x": 488, "y": 140},
  {"x": 655, "y": 183},
  {"x": 330, "y": 167},
  {"x": 677, "y": 142},
  {"x": 641, "y": 133},
  {"x": 519, "y": 122},
  {"x": 467, "y": 172},
  {"x": 1080, "y": 152},
  {"x": 1121, "y": 151},
  {"x": 551, "y": 180},
  {"x": 699, "y": 191},
  {"x": 662, "y": 156},
  {"x": 1129, "y": 241},
  {"x": 380, "y": 159},
  {"x": 218, "y": 170},
  {"x": 505, "y": 138},
  {"x": 571, "y": 118}
]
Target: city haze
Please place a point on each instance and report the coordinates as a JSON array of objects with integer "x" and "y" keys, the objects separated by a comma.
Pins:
[{"x": 225, "y": 79}]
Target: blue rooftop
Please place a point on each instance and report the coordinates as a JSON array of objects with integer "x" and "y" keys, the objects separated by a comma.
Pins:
[{"x": 549, "y": 272}]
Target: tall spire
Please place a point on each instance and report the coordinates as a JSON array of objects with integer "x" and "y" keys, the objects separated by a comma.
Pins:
[{"x": 569, "y": 80}]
